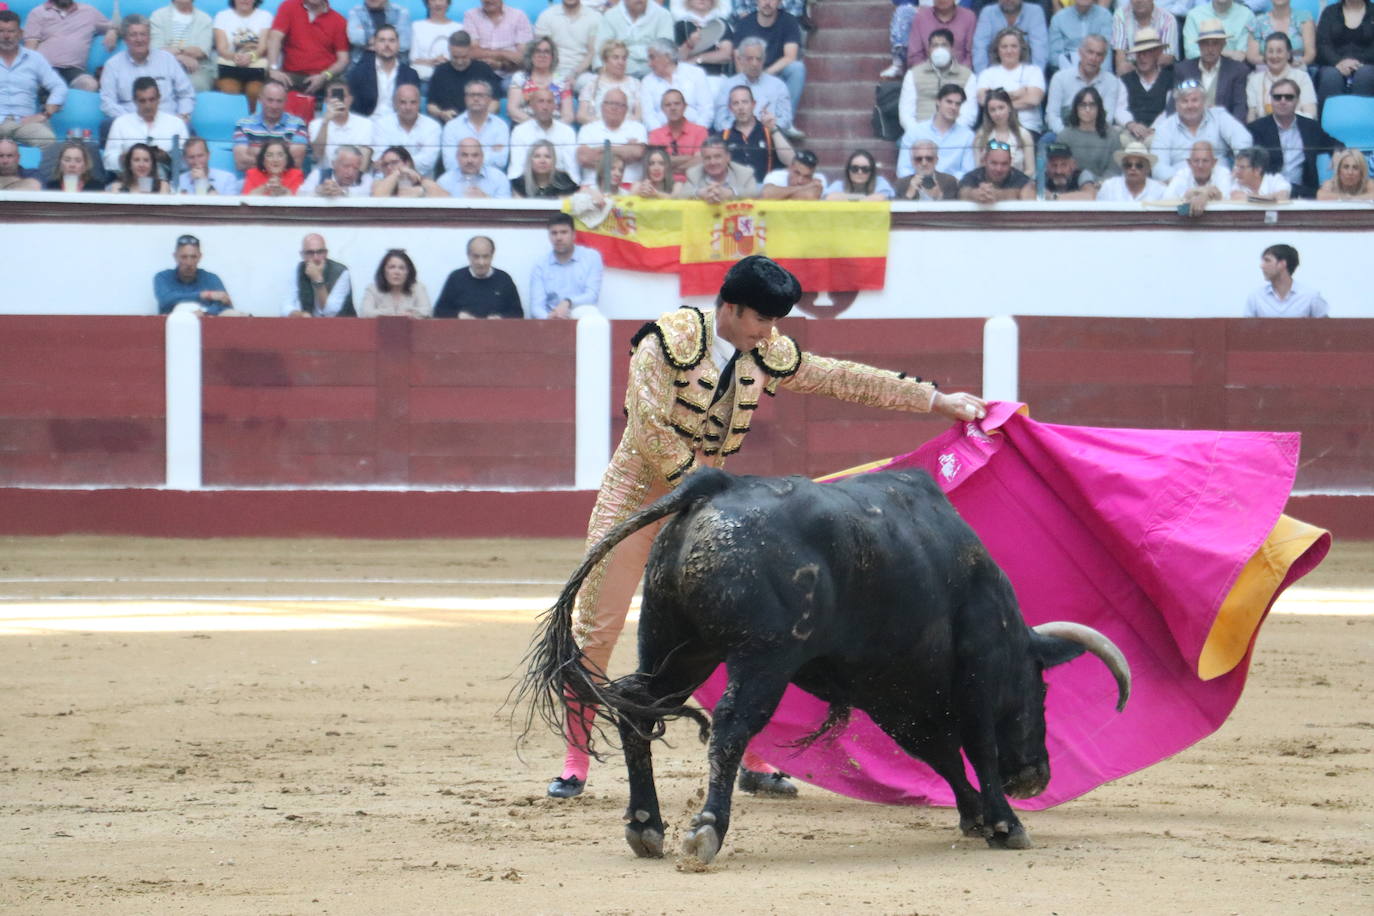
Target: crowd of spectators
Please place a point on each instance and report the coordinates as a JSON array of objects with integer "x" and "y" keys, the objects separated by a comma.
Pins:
[
  {"x": 689, "y": 99},
  {"x": 1069, "y": 87},
  {"x": 567, "y": 278}
]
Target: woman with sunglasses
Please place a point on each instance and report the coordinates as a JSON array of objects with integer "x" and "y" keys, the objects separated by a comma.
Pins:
[
  {"x": 1349, "y": 178},
  {"x": 1278, "y": 65},
  {"x": 860, "y": 181},
  {"x": 997, "y": 120},
  {"x": 1085, "y": 132},
  {"x": 396, "y": 290},
  {"x": 1010, "y": 68},
  {"x": 138, "y": 173},
  {"x": 541, "y": 65}
]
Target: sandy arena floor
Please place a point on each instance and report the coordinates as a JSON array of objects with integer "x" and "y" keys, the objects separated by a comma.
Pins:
[{"x": 316, "y": 727}]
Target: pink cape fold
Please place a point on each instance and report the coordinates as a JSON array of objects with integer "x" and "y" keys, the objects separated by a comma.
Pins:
[{"x": 1138, "y": 533}]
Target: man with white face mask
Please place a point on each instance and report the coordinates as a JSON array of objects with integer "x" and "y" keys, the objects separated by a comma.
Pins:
[
  {"x": 923, "y": 81},
  {"x": 944, "y": 15}
]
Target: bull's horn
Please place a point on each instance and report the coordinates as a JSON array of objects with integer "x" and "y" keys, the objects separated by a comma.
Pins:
[{"x": 1098, "y": 645}]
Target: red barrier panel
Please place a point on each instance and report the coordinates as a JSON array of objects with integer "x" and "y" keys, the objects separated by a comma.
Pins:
[
  {"x": 82, "y": 400},
  {"x": 1311, "y": 376}
]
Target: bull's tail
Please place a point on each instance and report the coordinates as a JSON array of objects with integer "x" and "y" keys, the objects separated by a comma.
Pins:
[{"x": 559, "y": 681}]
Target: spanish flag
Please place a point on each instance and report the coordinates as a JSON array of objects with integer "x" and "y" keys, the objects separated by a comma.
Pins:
[{"x": 828, "y": 245}]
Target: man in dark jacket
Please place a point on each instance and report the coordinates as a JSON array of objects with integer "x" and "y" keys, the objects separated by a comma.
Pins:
[
  {"x": 1292, "y": 141},
  {"x": 374, "y": 78},
  {"x": 1228, "y": 90}
]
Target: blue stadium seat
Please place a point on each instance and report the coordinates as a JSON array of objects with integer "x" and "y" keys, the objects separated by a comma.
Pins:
[
  {"x": 1350, "y": 119},
  {"x": 96, "y": 59},
  {"x": 1323, "y": 167},
  {"x": 142, "y": 7},
  {"x": 222, "y": 155},
  {"x": 30, "y": 157},
  {"x": 23, "y": 7},
  {"x": 1312, "y": 6},
  {"x": 81, "y": 111},
  {"x": 418, "y": 10},
  {"x": 216, "y": 113}
]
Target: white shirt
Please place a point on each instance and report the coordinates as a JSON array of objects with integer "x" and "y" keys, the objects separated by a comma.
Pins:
[
  {"x": 356, "y": 131},
  {"x": 562, "y": 136},
  {"x": 428, "y": 40},
  {"x": 386, "y": 88},
  {"x": 1114, "y": 190},
  {"x": 342, "y": 287},
  {"x": 1270, "y": 185},
  {"x": 595, "y": 133},
  {"x": 1294, "y": 153},
  {"x": 421, "y": 141},
  {"x": 690, "y": 80},
  {"x": 1302, "y": 302},
  {"x": 128, "y": 129},
  {"x": 312, "y": 182},
  {"x": 572, "y": 35},
  {"x": 1183, "y": 181},
  {"x": 999, "y": 77},
  {"x": 721, "y": 349}
]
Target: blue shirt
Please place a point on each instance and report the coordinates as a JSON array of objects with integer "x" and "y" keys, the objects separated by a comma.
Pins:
[
  {"x": 770, "y": 94},
  {"x": 491, "y": 182},
  {"x": 117, "y": 84},
  {"x": 1031, "y": 22},
  {"x": 956, "y": 148},
  {"x": 578, "y": 280},
  {"x": 254, "y": 131},
  {"x": 1068, "y": 29},
  {"x": 361, "y": 28},
  {"x": 19, "y": 84},
  {"x": 494, "y": 137},
  {"x": 168, "y": 290},
  {"x": 224, "y": 183}
]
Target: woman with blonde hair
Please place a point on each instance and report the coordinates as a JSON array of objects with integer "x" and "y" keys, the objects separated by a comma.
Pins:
[
  {"x": 1009, "y": 68},
  {"x": 542, "y": 178},
  {"x": 615, "y": 57},
  {"x": 997, "y": 121},
  {"x": 658, "y": 174},
  {"x": 1349, "y": 178},
  {"x": 74, "y": 169},
  {"x": 541, "y": 66},
  {"x": 396, "y": 289}
]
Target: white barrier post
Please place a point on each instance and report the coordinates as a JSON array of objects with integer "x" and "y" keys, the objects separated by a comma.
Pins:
[
  {"x": 1001, "y": 354},
  {"x": 183, "y": 360},
  {"x": 593, "y": 398}
]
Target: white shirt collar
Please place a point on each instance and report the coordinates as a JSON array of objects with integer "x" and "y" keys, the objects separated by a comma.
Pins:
[{"x": 721, "y": 349}]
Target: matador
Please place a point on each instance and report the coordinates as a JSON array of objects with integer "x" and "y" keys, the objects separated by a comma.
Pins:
[{"x": 696, "y": 377}]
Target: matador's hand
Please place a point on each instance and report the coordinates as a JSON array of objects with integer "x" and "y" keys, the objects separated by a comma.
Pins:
[{"x": 960, "y": 406}]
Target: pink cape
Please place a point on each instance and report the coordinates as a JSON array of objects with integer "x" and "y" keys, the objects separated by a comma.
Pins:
[{"x": 1141, "y": 534}]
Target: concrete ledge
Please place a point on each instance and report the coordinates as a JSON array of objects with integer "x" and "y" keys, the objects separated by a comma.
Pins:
[{"x": 399, "y": 513}]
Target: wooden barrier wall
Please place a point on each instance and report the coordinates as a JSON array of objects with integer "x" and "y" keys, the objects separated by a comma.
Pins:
[
  {"x": 1315, "y": 377},
  {"x": 82, "y": 401}
]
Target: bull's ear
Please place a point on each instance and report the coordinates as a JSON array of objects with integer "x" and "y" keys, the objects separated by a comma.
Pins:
[{"x": 1051, "y": 650}]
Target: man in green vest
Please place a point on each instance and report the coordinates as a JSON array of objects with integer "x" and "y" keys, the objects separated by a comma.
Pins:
[{"x": 322, "y": 288}]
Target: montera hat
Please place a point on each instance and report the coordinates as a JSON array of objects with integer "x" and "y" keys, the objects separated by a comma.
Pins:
[
  {"x": 761, "y": 284},
  {"x": 1211, "y": 28},
  {"x": 1145, "y": 39}
]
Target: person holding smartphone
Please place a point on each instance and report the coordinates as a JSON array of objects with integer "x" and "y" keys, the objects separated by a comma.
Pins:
[
  {"x": 338, "y": 126},
  {"x": 927, "y": 182}
]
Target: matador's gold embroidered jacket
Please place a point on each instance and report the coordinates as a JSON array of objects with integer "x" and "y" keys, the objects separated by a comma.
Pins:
[
  {"x": 672, "y": 382},
  {"x": 671, "y": 421}
]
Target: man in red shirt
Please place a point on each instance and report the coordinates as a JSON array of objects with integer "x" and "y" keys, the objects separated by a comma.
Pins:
[
  {"x": 680, "y": 137},
  {"x": 308, "y": 45}
]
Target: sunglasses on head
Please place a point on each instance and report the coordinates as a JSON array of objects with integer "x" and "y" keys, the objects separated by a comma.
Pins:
[
  {"x": 187, "y": 240},
  {"x": 1187, "y": 84},
  {"x": 998, "y": 144}
]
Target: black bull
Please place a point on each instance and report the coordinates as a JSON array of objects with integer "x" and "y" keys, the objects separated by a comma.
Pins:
[{"x": 870, "y": 593}]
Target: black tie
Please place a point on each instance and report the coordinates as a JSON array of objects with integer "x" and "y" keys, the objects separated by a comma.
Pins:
[{"x": 726, "y": 376}]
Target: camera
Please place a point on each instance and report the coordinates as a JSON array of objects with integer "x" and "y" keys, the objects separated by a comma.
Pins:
[
  {"x": 928, "y": 182},
  {"x": 336, "y": 94}
]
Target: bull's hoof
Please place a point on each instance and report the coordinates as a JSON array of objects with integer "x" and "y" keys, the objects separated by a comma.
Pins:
[
  {"x": 776, "y": 785},
  {"x": 972, "y": 826},
  {"x": 1009, "y": 836},
  {"x": 702, "y": 842},
  {"x": 645, "y": 841}
]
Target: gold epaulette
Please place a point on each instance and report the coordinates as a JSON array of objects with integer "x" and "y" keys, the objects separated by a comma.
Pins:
[
  {"x": 681, "y": 334},
  {"x": 779, "y": 356}
]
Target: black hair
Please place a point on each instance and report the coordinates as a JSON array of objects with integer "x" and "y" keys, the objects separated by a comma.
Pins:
[
  {"x": 561, "y": 219},
  {"x": 380, "y": 278},
  {"x": 262, "y": 152},
  {"x": 1285, "y": 253},
  {"x": 1100, "y": 125}
]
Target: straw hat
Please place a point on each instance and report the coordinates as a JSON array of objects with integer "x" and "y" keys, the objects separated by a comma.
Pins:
[
  {"x": 1135, "y": 150},
  {"x": 1145, "y": 39},
  {"x": 1211, "y": 28}
]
